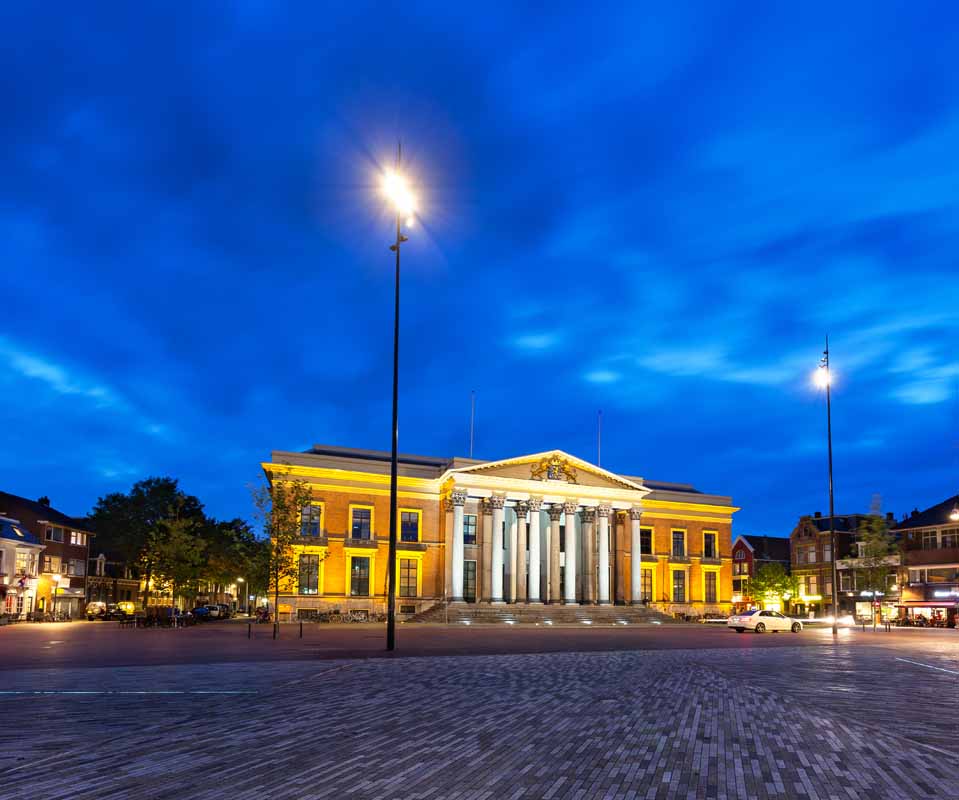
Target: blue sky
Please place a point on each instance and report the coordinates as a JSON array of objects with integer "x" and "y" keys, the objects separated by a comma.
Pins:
[{"x": 656, "y": 212}]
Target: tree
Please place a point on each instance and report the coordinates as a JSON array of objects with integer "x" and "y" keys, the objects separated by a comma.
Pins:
[
  {"x": 773, "y": 581},
  {"x": 130, "y": 525},
  {"x": 874, "y": 565},
  {"x": 278, "y": 508},
  {"x": 178, "y": 554}
]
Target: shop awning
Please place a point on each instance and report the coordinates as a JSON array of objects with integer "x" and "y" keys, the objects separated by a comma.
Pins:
[{"x": 944, "y": 603}]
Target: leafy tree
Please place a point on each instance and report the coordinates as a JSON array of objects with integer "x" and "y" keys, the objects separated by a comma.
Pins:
[
  {"x": 178, "y": 553},
  {"x": 278, "y": 507},
  {"x": 873, "y": 568},
  {"x": 772, "y": 580}
]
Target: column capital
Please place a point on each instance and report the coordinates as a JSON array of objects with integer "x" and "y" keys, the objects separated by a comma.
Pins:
[
  {"x": 635, "y": 513},
  {"x": 497, "y": 501},
  {"x": 458, "y": 497},
  {"x": 535, "y": 504},
  {"x": 588, "y": 514},
  {"x": 555, "y": 512},
  {"x": 521, "y": 508},
  {"x": 447, "y": 503},
  {"x": 604, "y": 511},
  {"x": 485, "y": 507},
  {"x": 569, "y": 507}
]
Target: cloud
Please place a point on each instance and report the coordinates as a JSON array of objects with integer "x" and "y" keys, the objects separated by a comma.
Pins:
[
  {"x": 602, "y": 376},
  {"x": 536, "y": 342}
]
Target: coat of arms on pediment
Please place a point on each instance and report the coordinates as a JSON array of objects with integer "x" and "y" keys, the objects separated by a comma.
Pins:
[{"x": 553, "y": 469}]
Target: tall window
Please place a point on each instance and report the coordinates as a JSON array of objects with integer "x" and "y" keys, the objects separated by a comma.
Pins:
[
  {"x": 360, "y": 576},
  {"x": 26, "y": 563},
  {"x": 409, "y": 528},
  {"x": 309, "y": 574},
  {"x": 54, "y": 534},
  {"x": 929, "y": 541},
  {"x": 709, "y": 544},
  {"x": 51, "y": 563},
  {"x": 310, "y": 520},
  {"x": 407, "y": 577},
  {"x": 950, "y": 537},
  {"x": 646, "y": 586},
  {"x": 361, "y": 523},
  {"x": 469, "y": 581},
  {"x": 78, "y": 538},
  {"x": 75, "y": 567},
  {"x": 812, "y": 584},
  {"x": 679, "y": 586},
  {"x": 845, "y": 581},
  {"x": 469, "y": 530},
  {"x": 710, "y": 587},
  {"x": 679, "y": 544},
  {"x": 646, "y": 541},
  {"x": 827, "y": 551}
]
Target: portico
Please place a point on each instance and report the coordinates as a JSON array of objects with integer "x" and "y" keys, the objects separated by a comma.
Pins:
[{"x": 549, "y": 528}]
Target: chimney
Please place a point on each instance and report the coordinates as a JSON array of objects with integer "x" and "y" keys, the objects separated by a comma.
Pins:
[
  {"x": 890, "y": 517},
  {"x": 818, "y": 515},
  {"x": 915, "y": 512},
  {"x": 44, "y": 501}
]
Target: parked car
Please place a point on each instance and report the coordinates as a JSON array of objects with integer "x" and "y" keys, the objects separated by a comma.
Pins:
[
  {"x": 225, "y": 611},
  {"x": 762, "y": 621},
  {"x": 96, "y": 610},
  {"x": 201, "y": 613},
  {"x": 215, "y": 612}
]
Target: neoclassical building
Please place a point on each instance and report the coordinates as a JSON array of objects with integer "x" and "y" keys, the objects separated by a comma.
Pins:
[{"x": 542, "y": 528}]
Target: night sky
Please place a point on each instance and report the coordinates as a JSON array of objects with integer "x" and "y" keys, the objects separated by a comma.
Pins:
[{"x": 656, "y": 214}]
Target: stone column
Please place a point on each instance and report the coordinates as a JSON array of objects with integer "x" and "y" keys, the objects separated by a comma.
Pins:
[
  {"x": 513, "y": 558},
  {"x": 570, "y": 566},
  {"x": 487, "y": 511},
  {"x": 497, "y": 503},
  {"x": 588, "y": 517},
  {"x": 636, "y": 558},
  {"x": 458, "y": 500},
  {"x": 521, "y": 570},
  {"x": 448, "y": 548},
  {"x": 535, "y": 504},
  {"x": 602, "y": 514},
  {"x": 555, "y": 512}
]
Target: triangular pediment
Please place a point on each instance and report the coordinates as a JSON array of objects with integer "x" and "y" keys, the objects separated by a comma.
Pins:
[{"x": 551, "y": 467}]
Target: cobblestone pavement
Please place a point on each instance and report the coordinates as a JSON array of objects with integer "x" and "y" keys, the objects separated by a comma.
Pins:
[{"x": 848, "y": 721}]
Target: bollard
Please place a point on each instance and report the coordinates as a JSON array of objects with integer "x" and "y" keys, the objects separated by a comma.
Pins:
[
  {"x": 301, "y": 630},
  {"x": 249, "y": 630},
  {"x": 275, "y": 625}
]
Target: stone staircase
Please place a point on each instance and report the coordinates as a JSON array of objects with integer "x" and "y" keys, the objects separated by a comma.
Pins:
[{"x": 522, "y": 614}]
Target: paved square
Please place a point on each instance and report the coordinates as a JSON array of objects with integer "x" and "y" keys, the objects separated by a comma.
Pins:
[{"x": 852, "y": 720}]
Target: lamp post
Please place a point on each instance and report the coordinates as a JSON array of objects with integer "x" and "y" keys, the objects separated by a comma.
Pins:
[
  {"x": 56, "y": 590},
  {"x": 397, "y": 191},
  {"x": 239, "y": 606},
  {"x": 824, "y": 379}
]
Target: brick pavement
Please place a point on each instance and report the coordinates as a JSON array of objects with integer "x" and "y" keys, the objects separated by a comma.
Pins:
[{"x": 649, "y": 724}]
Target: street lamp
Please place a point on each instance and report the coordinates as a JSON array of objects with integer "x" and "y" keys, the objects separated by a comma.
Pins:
[
  {"x": 397, "y": 191},
  {"x": 954, "y": 515},
  {"x": 238, "y": 588},
  {"x": 56, "y": 589},
  {"x": 823, "y": 379}
]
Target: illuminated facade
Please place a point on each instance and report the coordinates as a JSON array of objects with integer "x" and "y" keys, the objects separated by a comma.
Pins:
[{"x": 543, "y": 528}]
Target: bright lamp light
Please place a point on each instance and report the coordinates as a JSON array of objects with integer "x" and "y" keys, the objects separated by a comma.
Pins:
[
  {"x": 954, "y": 516},
  {"x": 822, "y": 378},
  {"x": 397, "y": 190}
]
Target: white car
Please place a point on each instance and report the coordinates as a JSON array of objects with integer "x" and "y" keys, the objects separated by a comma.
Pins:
[{"x": 762, "y": 621}]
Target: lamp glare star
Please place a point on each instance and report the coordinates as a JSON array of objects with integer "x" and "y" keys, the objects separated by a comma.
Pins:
[{"x": 397, "y": 190}]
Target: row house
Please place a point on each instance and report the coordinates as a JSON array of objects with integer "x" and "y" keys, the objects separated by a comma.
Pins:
[
  {"x": 19, "y": 568},
  {"x": 750, "y": 554},
  {"x": 930, "y": 562},
  {"x": 62, "y": 570}
]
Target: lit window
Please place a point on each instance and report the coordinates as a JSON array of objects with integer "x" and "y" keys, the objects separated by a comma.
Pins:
[
  {"x": 679, "y": 586},
  {"x": 361, "y": 523},
  {"x": 646, "y": 586},
  {"x": 679, "y": 544},
  {"x": 409, "y": 526},
  {"x": 710, "y": 587},
  {"x": 407, "y": 577},
  {"x": 709, "y": 545},
  {"x": 646, "y": 541},
  {"x": 309, "y": 581},
  {"x": 469, "y": 529},
  {"x": 310, "y": 519},
  {"x": 360, "y": 576}
]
